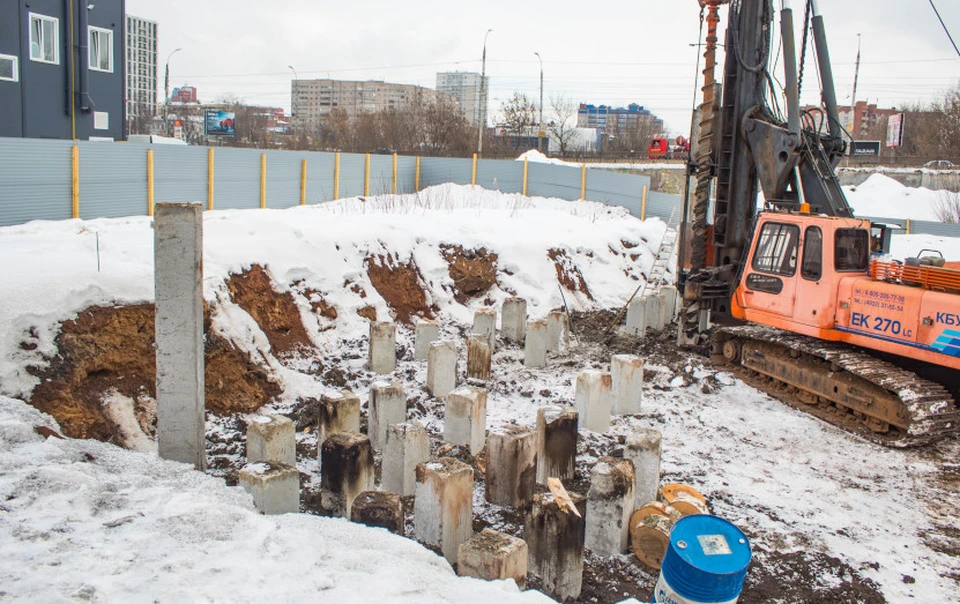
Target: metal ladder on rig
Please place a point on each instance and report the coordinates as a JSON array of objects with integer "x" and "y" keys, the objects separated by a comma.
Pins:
[{"x": 659, "y": 268}]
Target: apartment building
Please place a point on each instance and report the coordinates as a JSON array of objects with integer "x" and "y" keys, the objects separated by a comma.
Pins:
[
  {"x": 141, "y": 72},
  {"x": 466, "y": 88},
  {"x": 312, "y": 100}
]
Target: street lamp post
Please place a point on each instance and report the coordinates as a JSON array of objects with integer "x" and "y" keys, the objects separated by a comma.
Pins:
[
  {"x": 166, "y": 92},
  {"x": 293, "y": 96},
  {"x": 483, "y": 96},
  {"x": 540, "y": 128}
]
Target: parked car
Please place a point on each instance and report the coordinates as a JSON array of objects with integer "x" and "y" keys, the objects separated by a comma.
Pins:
[{"x": 940, "y": 163}]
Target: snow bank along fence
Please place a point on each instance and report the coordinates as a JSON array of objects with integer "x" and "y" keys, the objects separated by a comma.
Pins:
[{"x": 56, "y": 180}]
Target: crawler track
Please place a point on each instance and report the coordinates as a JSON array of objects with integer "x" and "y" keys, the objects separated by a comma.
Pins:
[{"x": 840, "y": 384}]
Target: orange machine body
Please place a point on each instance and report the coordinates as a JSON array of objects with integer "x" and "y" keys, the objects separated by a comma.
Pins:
[{"x": 816, "y": 275}]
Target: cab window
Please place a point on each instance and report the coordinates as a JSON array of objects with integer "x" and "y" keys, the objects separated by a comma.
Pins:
[
  {"x": 812, "y": 266},
  {"x": 776, "y": 251},
  {"x": 852, "y": 250}
]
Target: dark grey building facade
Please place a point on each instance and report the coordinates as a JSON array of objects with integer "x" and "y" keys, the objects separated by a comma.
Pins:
[{"x": 62, "y": 69}]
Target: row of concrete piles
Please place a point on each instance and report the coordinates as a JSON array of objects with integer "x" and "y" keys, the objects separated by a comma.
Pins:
[
  {"x": 652, "y": 312},
  {"x": 517, "y": 459}
]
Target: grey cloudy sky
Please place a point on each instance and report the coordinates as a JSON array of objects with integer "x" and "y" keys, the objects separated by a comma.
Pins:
[{"x": 593, "y": 52}]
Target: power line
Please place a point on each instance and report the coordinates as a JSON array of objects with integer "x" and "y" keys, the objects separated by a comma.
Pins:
[{"x": 944, "y": 26}]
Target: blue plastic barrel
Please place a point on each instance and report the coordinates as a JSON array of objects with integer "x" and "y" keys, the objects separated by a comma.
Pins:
[{"x": 706, "y": 562}]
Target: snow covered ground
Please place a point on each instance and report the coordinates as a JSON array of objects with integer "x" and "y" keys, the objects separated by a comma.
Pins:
[{"x": 87, "y": 520}]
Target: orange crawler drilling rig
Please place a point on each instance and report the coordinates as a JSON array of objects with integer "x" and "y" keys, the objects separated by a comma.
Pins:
[{"x": 804, "y": 303}]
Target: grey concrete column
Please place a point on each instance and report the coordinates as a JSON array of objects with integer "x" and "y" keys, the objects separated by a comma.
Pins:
[{"x": 178, "y": 284}]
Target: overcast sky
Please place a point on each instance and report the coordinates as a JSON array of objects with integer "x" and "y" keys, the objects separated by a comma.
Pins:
[{"x": 593, "y": 52}]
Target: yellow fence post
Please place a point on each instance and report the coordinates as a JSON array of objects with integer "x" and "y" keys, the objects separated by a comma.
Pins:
[
  {"x": 416, "y": 179},
  {"x": 366, "y": 176},
  {"x": 524, "y": 176},
  {"x": 643, "y": 204},
  {"x": 908, "y": 226},
  {"x": 150, "y": 202},
  {"x": 263, "y": 180},
  {"x": 394, "y": 173},
  {"x": 473, "y": 177},
  {"x": 210, "y": 178},
  {"x": 303, "y": 183},
  {"x": 336, "y": 176},
  {"x": 75, "y": 181},
  {"x": 583, "y": 182}
]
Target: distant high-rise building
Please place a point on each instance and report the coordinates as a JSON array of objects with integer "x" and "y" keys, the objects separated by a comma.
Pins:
[
  {"x": 312, "y": 100},
  {"x": 185, "y": 95},
  {"x": 606, "y": 117},
  {"x": 465, "y": 87},
  {"x": 141, "y": 71}
]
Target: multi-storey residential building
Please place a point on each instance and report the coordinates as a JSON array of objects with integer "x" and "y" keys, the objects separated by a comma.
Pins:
[
  {"x": 141, "y": 72},
  {"x": 606, "y": 117},
  {"x": 312, "y": 100},
  {"x": 466, "y": 88},
  {"x": 61, "y": 69}
]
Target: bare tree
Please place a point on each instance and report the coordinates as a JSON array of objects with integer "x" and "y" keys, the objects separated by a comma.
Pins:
[
  {"x": 947, "y": 207},
  {"x": 519, "y": 114},
  {"x": 446, "y": 131},
  {"x": 564, "y": 123}
]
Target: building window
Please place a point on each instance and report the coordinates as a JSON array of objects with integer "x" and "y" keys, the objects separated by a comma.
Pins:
[
  {"x": 8, "y": 68},
  {"x": 44, "y": 39},
  {"x": 101, "y": 49}
]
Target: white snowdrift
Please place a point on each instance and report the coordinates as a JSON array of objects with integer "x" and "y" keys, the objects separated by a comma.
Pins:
[
  {"x": 85, "y": 520},
  {"x": 882, "y": 196}
]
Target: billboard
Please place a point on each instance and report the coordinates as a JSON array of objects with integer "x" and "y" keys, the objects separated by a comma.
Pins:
[
  {"x": 895, "y": 130},
  {"x": 865, "y": 149},
  {"x": 218, "y": 123}
]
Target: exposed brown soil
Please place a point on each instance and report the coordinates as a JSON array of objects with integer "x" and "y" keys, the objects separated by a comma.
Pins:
[
  {"x": 473, "y": 272},
  {"x": 111, "y": 348},
  {"x": 275, "y": 312},
  {"x": 568, "y": 273},
  {"x": 401, "y": 285},
  {"x": 368, "y": 312}
]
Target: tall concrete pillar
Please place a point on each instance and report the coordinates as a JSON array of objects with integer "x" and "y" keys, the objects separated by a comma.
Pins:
[
  {"x": 513, "y": 319},
  {"x": 485, "y": 324},
  {"x": 178, "y": 283}
]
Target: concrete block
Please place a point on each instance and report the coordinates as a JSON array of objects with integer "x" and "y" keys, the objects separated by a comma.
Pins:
[
  {"x": 388, "y": 406},
  {"x": 337, "y": 412},
  {"x": 668, "y": 304},
  {"x": 465, "y": 418},
  {"x": 178, "y": 286},
  {"x": 651, "y": 312},
  {"x": 493, "y": 556},
  {"x": 594, "y": 399},
  {"x": 511, "y": 478},
  {"x": 427, "y": 332},
  {"x": 513, "y": 319},
  {"x": 378, "y": 509},
  {"x": 271, "y": 438},
  {"x": 558, "y": 331},
  {"x": 626, "y": 372},
  {"x": 636, "y": 319},
  {"x": 535, "y": 344},
  {"x": 346, "y": 462},
  {"x": 275, "y": 487},
  {"x": 609, "y": 506},
  {"x": 408, "y": 445},
  {"x": 556, "y": 443},
  {"x": 383, "y": 347},
  {"x": 554, "y": 538},
  {"x": 642, "y": 447},
  {"x": 485, "y": 324},
  {"x": 478, "y": 357},
  {"x": 441, "y": 368},
  {"x": 443, "y": 506}
]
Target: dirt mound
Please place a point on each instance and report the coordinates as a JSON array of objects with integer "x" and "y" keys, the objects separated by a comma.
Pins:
[
  {"x": 568, "y": 273},
  {"x": 112, "y": 349},
  {"x": 473, "y": 272},
  {"x": 275, "y": 312},
  {"x": 401, "y": 285}
]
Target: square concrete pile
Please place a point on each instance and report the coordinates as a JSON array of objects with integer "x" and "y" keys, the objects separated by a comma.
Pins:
[
  {"x": 511, "y": 466},
  {"x": 408, "y": 446},
  {"x": 275, "y": 487},
  {"x": 383, "y": 347},
  {"x": 513, "y": 319},
  {"x": 427, "y": 332},
  {"x": 594, "y": 399},
  {"x": 441, "y": 368},
  {"x": 346, "y": 471},
  {"x": 492, "y": 556},
  {"x": 271, "y": 438},
  {"x": 465, "y": 418},
  {"x": 388, "y": 406},
  {"x": 443, "y": 506},
  {"x": 609, "y": 506}
]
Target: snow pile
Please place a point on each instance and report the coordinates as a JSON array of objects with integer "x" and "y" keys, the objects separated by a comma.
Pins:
[
  {"x": 67, "y": 266},
  {"x": 883, "y": 197},
  {"x": 536, "y": 156},
  {"x": 86, "y": 520}
]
